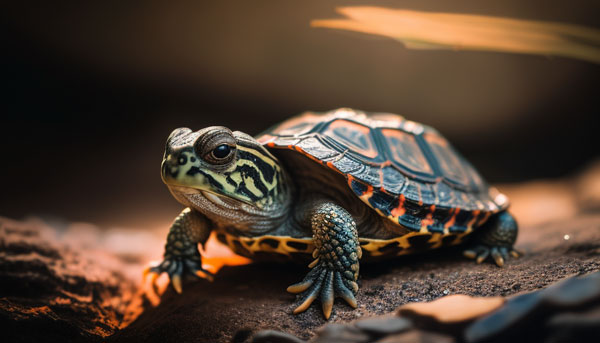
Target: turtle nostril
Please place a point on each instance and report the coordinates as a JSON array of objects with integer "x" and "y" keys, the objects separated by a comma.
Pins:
[
  {"x": 172, "y": 160},
  {"x": 182, "y": 160}
]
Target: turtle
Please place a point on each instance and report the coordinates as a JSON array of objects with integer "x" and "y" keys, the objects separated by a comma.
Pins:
[{"x": 334, "y": 188}]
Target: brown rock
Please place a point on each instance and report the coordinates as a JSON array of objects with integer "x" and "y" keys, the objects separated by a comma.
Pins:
[
  {"x": 451, "y": 309},
  {"x": 49, "y": 292}
]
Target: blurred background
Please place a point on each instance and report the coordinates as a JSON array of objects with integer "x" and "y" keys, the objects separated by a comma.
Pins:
[{"x": 91, "y": 90}]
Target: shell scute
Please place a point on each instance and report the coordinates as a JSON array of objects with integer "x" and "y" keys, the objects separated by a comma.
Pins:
[
  {"x": 312, "y": 146},
  {"x": 412, "y": 191},
  {"x": 370, "y": 175},
  {"x": 352, "y": 135},
  {"x": 405, "y": 151},
  {"x": 452, "y": 167},
  {"x": 394, "y": 182},
  {"x": 383, "y": 202},
  {"x": 348, "y": 166},
  {"x": 446, "y": 195},
  {"x": 428, "y": 193}
]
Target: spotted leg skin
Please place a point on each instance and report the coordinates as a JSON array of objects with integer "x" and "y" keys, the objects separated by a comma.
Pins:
[
  {"x": 335, "y": 269},
  {"x": 495, "y": 239},
  {"x": 181, "y": 257}
]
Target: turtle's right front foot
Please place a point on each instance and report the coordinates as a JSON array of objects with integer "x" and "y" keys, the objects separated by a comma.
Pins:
[
  {"x": 327, "y": 283},
  {"x": 335, "y": 268}
]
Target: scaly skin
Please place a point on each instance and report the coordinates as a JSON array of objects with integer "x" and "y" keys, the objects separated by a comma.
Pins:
[
  {"x": 335, "y": 268},
  {"x": 181, "y": 257}
]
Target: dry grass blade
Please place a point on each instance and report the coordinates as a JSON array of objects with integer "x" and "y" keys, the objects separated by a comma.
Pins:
[{"x": 428, "y": 30}]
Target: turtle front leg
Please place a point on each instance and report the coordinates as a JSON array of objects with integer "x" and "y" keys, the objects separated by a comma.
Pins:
[
  {"x": 335, "y": 268},
  {"x": 181, "y": 257},
  {"x": 496, "y": 239}
]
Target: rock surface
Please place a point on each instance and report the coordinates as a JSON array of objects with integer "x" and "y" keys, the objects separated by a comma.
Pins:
[{"x": 50, "y": 292}]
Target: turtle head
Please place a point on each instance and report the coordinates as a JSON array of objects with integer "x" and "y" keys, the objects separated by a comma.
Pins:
[{"x": 222, "y": 165}]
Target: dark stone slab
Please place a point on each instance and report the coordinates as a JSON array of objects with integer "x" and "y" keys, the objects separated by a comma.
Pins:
[
  {"x": 383, "y": 326},
  {"x": 530, "y": 312}
]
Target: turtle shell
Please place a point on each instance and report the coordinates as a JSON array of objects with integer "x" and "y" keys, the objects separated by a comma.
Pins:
[{"x": 404, "y": 170}]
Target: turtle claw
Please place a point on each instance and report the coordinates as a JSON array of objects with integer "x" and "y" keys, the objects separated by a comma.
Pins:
[
  {"x": 176, "y": 283},
  {"x": 153, "y": 275},
  {"x": 178, "y": 268},
  {"x": 482, "y": 256},
  {"x": 516, "y": 253},
  {"x": 499, "y": 254},
  {"x": 151, "y": 290},
  {"x": 326, "y": 284},
  {"x": 470, "y": 253},
  {"x": 327, "y": 295},
  {"x": 204, "y": 274}
]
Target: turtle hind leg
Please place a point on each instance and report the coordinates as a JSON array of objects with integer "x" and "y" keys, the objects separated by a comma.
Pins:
[
  {"x": 335, "y": 268},
  {"x": 495, "y": 239}
]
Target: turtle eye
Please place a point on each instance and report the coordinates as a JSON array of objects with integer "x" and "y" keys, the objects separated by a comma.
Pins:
[
  {"x": 220, "y": 155},
  {"x": 215, "y": 145},
  {"x": 221, "y": 151}
]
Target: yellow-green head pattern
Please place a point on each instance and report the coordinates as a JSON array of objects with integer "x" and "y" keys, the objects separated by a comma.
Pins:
[{"x": 219, "y": 162}]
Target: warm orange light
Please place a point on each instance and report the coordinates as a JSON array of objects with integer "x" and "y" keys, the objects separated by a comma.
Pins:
[{"x": 216, "y": 255}]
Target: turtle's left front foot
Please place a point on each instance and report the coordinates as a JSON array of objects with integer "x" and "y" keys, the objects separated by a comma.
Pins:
[
  {"x": 179, "y": 267},
  {"x": 335, "y": 268},
  {"x": 182, "y": 258},
  {"x": 496, "y": 240}
]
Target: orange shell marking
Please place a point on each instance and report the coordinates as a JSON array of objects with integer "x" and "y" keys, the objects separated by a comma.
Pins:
[
  {"x": 452, "y": 219},
  {"x": 399, "y": 210},
  {"x": 428, "y": 220}
]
